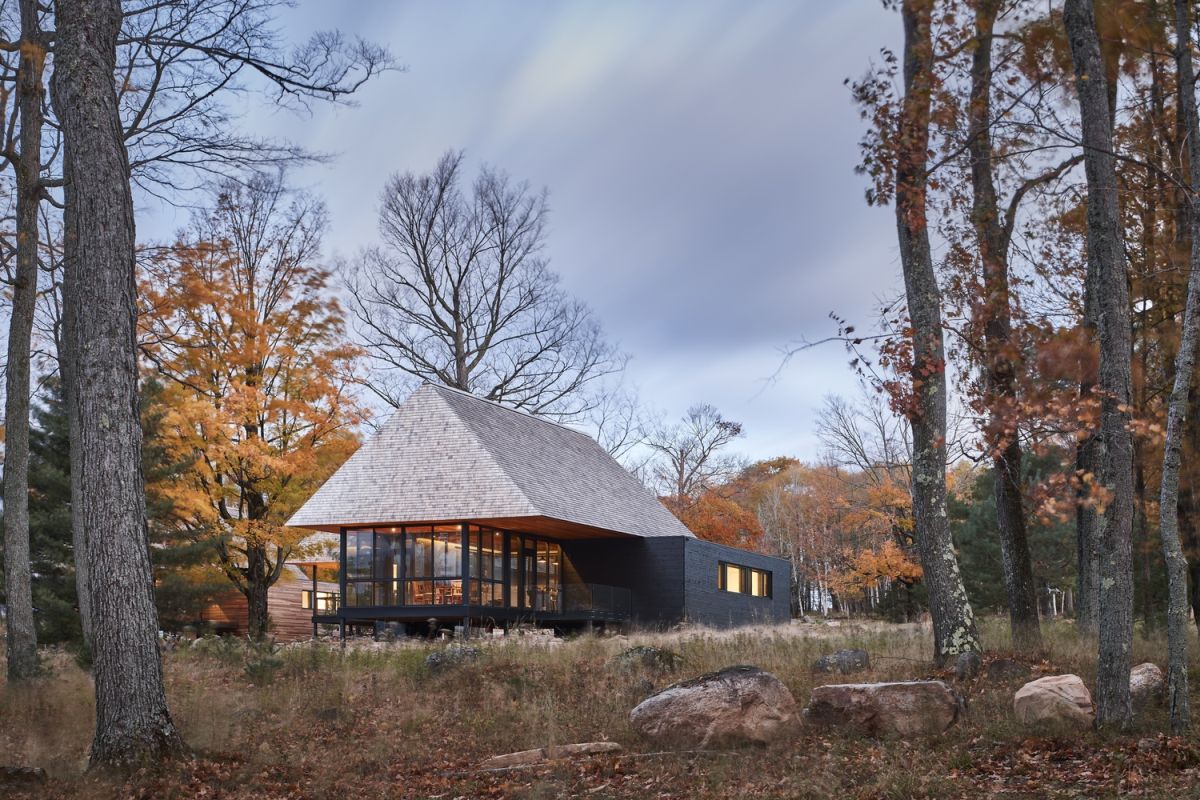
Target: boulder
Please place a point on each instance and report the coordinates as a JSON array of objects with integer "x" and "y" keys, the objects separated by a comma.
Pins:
[
  {"x": 884, "y": 709},
  {"x": 648, "y": 657},
  {"x": 843, "y": 661},
  {"x": 454, "y": 656},
  {"x": 1055, "y": 699},
  {"x": 526, "y": 758},
  {"x": 1146, "y": 682},
  {"x": 736, "y": 704},
  {"x": 1003, "y": 670}
]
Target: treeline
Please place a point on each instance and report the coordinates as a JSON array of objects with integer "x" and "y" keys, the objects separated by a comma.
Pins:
[{"x": 1043, "y": 167}]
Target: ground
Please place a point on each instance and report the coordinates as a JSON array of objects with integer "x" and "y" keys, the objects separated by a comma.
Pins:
[{"x": 316, "y": 722}]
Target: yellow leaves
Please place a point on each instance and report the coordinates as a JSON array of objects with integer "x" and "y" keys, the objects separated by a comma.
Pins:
[{"x": 258, "y": 383}]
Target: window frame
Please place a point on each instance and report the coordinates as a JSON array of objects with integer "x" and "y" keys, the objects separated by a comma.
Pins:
[{"x": 746, "y": 576}]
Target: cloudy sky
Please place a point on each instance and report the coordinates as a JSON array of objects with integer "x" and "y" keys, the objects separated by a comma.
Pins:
[{"x": 699, "y": 156}]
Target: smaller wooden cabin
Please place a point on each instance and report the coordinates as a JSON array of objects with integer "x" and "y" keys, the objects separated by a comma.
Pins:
[{"x": 292, "y": 603}]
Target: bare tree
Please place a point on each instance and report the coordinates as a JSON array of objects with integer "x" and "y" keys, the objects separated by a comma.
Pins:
[
  {"x": 1185, "y": 362},
  {"x": 688, "y": 454},
  {"x": 133, "y": 724},
  {"x": 954, "y": 629},
  {"x": 22, "y": 635},
  {"x": 176, "y": 63},
  {"x": 993, "y": 229},
  {"x": 460, "y": 294},
  {"x": 867, "y": 437},
  {"x": 1106, "y": 252}
]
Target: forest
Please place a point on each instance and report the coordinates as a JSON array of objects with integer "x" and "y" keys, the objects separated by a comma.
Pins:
[{"x": 1010, "y": 483}]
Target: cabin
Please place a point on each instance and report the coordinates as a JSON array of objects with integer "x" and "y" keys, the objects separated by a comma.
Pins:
[
  {"x": 302, "y": 591},
  {"x": 461, "y": 511}
]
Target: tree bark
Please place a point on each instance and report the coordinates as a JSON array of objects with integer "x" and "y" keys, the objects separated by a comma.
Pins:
[
  {"x": 133, "y": 725},
  {"x": 999, "y": 352},
  {"x": 1185, "y": 361},
  {"x": 78, "y": 530},
  {"x": 1105, "y": 249},
  {"x": 953, "y": 621},
  {"x": 18, "y": 588}
]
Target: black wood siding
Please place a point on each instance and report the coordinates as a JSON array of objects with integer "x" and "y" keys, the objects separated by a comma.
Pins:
[
  {"x": 705, "y": 603},
  {"x": 674, "y": 579}
]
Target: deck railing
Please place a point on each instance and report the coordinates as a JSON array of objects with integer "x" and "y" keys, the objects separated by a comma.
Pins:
[{"x": 597, "y": 600}]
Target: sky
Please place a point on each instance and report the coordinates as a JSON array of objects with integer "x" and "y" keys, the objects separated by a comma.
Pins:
[{"x": 699, "y": 156}]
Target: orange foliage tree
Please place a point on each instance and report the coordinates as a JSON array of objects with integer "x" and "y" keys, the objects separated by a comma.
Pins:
[{"x": 238, "y": 321}]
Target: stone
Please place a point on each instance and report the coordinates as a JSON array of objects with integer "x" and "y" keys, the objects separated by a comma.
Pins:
[
  {"x": 904, "y": 708},
  {"x": 966, "y": 667},
  {"x": 1003, "y": 670},
  {"x": 1055, "y": 699},
  {"x": 526, "y": 758},
  {"x": 737, "y": 704},
  {"x": 843, "y": 661},
  {"x": 450, "y": 657},
  {"x": 1146, "y": 684},
  {"x": 648, "y": 657}
]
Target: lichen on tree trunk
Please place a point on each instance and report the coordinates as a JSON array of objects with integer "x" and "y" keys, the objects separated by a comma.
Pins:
[
  {"x": 1106, "y": 252},
  {"x": 953, "y": 621}
]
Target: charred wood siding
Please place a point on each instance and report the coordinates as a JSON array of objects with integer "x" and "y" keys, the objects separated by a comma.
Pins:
[
  {"x": 674, "y": 579},
  {"x": 707, "y": 604}
]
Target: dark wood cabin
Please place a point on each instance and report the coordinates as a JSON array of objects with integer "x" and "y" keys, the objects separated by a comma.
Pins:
[{"x": 462, "y": 511}]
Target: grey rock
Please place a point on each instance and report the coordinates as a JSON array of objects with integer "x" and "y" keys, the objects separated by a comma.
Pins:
[
  {"x": 907, "y": 708},
  {"x": 736, "y": 704},
  {"x": 843, "y": 662},
  {"x": 967, "y": 666},
  {"x": 1146, "y": 685},
  {"x": 648, "y": 657},
  {"x": 455, "y": 656}
]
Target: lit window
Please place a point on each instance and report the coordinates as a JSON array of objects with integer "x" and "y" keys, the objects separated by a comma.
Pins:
[{"x": 743, "y": 580}]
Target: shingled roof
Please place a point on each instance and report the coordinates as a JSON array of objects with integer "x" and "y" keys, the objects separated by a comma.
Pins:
[{"x": 447, "y": 455}]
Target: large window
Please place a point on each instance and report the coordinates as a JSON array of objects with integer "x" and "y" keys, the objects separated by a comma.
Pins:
[
  {"x": 422, "y": 565},
  {"x": 487, "y": 566},
  {"x": 743, "y": 580},
  {"x": 433, "y": 566}
]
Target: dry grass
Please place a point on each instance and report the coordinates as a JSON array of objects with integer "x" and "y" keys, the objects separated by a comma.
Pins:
[{"x": 322, "y": 723}]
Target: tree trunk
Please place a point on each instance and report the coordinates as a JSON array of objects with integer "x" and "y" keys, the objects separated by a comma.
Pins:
[
  {"x": 1185, "y": 360},
  {"x": 1112, "y": 287},
  {"x": 999, "y": 352},
  {"x": 78, "y": 531},
  {"x": 133, "y": 725},
  {"x": 953, "y": 621},
  {"x": 258, "y": 620},
  {"x": 22, "y": 635}
]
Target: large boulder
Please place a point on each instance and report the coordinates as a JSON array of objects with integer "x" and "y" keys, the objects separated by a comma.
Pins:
[
  {"x": 736, "y": 704},
  {"x": 884, "y": 709},
  {"x": 1146, "y": 682},
  {"x": 843, "y": 661},
  {"x": 1054, "y": 700}
]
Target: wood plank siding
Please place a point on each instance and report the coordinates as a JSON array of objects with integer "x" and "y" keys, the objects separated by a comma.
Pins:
[{"x": 289, "y": 621}]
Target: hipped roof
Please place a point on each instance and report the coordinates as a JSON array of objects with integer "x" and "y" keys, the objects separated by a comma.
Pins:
[{"x": 446, "y": 455}]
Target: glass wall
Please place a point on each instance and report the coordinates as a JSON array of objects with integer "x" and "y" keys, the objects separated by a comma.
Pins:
[{"x": 422, "y": 565}]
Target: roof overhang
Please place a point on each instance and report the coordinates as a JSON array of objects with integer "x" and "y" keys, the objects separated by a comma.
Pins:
[{"x": 543, "y": 526}]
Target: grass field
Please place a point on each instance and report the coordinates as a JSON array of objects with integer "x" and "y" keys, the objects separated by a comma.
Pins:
[{"x": 319, "y": 722}]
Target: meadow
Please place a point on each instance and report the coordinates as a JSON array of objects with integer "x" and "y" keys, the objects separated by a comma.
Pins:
[{"x": 373, "y": 720}]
